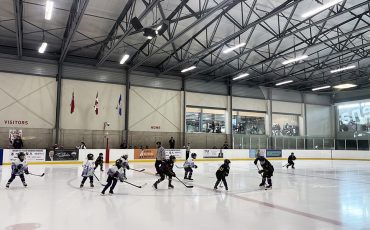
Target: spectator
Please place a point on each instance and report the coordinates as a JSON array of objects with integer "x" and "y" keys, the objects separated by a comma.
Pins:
[
  {"x": 123, "y": 145},
  {"x": 18, "y": 143},
  {"x": 225, "y": 146},
  {"x": 187, "y": 151},
  {"x": 82, "y": 145},
  {"x": 172, "y": 143}
]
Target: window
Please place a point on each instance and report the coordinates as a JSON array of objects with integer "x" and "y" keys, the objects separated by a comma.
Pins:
[
  {"x": 205, "y": 120},
  {"x": 285, "y": 125},
  {"x": 248, "y": 123},
  {"x": 354, "y": 117}
]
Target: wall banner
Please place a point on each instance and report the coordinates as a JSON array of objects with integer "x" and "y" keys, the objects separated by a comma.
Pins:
[
  {"x": 273, "y": 153},
  {"x": 141, "y": 154},
  {"x": 213, "y": 153},
  {"x": 62, "y": 155},
  {"x": 178, "y": 153},
  {"x": 32, "y": 155}
]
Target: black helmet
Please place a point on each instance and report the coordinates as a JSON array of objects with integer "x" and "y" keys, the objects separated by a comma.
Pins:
[
  {"x": 194, "y": 155},
  {"x": 125, "y": 156},
  {"x": 227, "y": 161},
  {"x": 172, "y": 158},
  {"x": 90, "y": 156},
  {"x": 119, "y": 163},
  {"x": 21, "y": 156},
  {"x": 100, "y": 154}
]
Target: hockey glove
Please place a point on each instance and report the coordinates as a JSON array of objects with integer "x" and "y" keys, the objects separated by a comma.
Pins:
[
  {"x": 26, "y": 172},
  {"x": 19, "y": 166},
  {"x": 260, "y": 171},
  {"x": 195, "y": 166}
]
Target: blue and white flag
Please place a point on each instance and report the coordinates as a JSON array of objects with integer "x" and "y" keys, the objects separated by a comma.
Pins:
[{"x": 119, "y": 106}]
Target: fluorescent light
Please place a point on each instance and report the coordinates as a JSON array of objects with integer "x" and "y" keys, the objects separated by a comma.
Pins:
[
  {"x": 188, "y": 69},
  {"x": 348, "y": 106},
  {"x": 345, "y": 86},
  {"x": 241, "y": 76},
  {"x": 321, "y": 8},
  {"x": 284, "y": 82},
  {"x": 343, "y": 69},
  {"x": 43, "y": 47},
  {"x": 149, "y": 37},
  {"x": 294, "y": 59},
  {"x": 158, "y": 28},
  {"x": 322, "y": 87},
  {"x": 233, "y": 48},
  {"x": 48, "y": 9},
  {"x": 124, "y": 59}
]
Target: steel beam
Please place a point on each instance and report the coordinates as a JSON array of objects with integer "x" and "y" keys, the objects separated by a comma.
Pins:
[
  {"x": 76, "y": 13},
  {"x": 105, "y": 55},
  {"x": 18, "y": 14}
]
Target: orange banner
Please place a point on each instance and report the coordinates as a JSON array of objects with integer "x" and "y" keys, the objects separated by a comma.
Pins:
[{"x": 145, "y": 153}]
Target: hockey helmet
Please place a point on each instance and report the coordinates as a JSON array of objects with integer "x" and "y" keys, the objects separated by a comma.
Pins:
[
  {"x": 227, "y": 161},
  {"x": 21, "y": 156},
  {"x": 172, "y": 158},
  {"x": 90, "y": 156},
  {"x": 119, "y": 163},
  {"x": 194, "y": 155},
  {"x": 125, "y": 156}
]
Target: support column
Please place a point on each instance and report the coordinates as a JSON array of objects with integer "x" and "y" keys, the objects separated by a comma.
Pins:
[
  {"x": 230, "y": 111},
  {"x": 57, "y": 108},
  {"x": 127, "y": 105},
  {"x": 269, "y": 114},
  {"x": 183, "y": 89}
]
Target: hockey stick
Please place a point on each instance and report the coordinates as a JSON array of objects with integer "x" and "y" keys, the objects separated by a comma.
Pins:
[
  {"x": 141, "y": 170},
  {"x": 188, "y": 186},
  {"x": 99, "y": 181},
  {"x": 179, "y": 167},
  {"x": 37, "y": 175},
  {"x": 137, "y": 186},
  {"x": 285, "y": 165}
]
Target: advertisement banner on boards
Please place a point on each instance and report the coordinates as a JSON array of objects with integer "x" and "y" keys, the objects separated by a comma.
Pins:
[
  {"x": 253, "y": 153},
  {"x": 141, "y": 154},
  {"x": 273, "y": 153},
  {"x": 32, "y": 155},
  {"x": 178, "y": 153},
  {"x": 62, "y": 155},
  {"x": 213, "y": 153}
]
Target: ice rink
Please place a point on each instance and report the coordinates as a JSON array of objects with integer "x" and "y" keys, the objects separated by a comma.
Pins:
[{"x": 316, "y": 195}]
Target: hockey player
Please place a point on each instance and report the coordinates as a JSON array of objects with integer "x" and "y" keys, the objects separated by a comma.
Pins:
[
  {"x": 189, "y": 165},
  {"x": 166, "y": 169},
  {"x": 267, "y": 171},
  {"x": 19, "y": 168},
  {"x": 125, "y": 165},
  {"x": 99, "y": 162},
  {"x": 222, "y": 173},
  {"x": 291, "y": 160},
  {"x": 115, "y": 173},
  {"x": 88, "y": 170}
]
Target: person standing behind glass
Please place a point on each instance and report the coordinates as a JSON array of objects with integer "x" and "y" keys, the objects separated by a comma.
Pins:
[{"x": 172, "y": 143}]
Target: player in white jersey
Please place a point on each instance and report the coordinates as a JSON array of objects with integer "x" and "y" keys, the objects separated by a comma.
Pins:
[
  {"x": 88, "y": 170},
  {"x": 125, "y": 165},
  {"x": 189, "y": 165},
  {"x": 19, "y": 168},
  {"x": 115, "y": 173}
]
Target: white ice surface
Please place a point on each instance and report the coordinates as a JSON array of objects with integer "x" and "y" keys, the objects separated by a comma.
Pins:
[{"x": 316, "y": 195}]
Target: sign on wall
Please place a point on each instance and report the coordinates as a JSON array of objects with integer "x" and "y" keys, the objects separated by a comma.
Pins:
[
  {"x": 253, "y": 153},
  {"x": 273, "y": 153},
  {"x": 32, "y": 155},
  {"x": 145, "y": 154},
  {"x": 62, "y": 155},
  {"x": 178, "y": 153},
  {"x": 213, "y": 153}
]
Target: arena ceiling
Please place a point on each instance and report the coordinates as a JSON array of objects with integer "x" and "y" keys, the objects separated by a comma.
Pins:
[{"x": 269, "y": 32}]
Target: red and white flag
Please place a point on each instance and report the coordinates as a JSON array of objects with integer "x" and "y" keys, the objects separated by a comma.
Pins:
[
  {"x": 96, "y": 106},
  {"x": 73, "y": 103}
]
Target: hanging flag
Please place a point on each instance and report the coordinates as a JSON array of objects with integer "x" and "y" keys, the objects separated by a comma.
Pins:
[
  {"x": 73, "y": 103},
  {"x": 119, "y": 106},
  {"x": 96, "y": 106}
]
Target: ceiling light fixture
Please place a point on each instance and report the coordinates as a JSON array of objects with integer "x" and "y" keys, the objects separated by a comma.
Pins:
[
  {"x": 321, "y": 88},
  {"x": 188, "y": 69},
  {"x": 43, "y": 47},
  {"x": 343, "y": 69},
  {"x": 228, "y": 50},
  {"x": 241, "y": 76},
  {"x": 284, "y": 82},
  {"x": 345, "y": 86},
  {"x": 49, "y": 9},
  {"x": 321, "y": 8},
  {"x": 124, "y": 59},
  {"x": 294, "y": 59}
]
